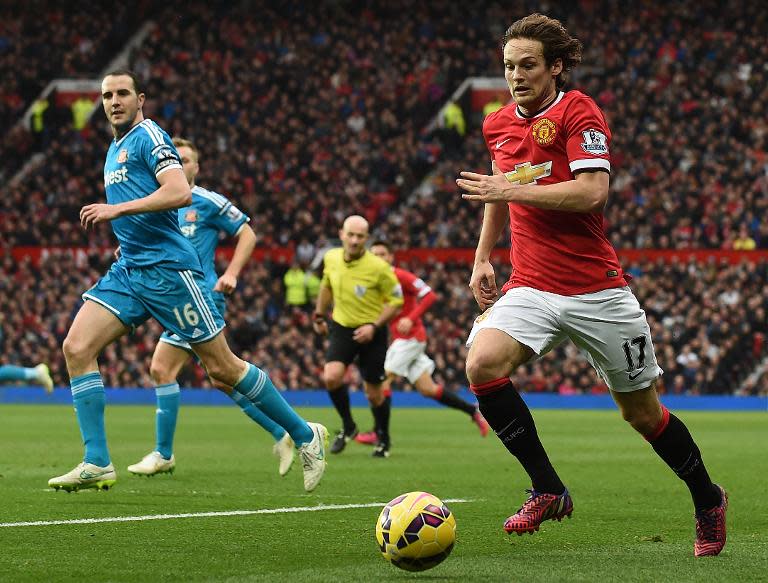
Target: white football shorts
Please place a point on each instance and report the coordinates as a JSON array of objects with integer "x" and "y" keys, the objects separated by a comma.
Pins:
[
  {"x": 408, "y": 358},
  {"x": 609, "y": 327}
]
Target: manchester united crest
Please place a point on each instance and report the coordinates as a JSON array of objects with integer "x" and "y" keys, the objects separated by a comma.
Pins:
[
  {"x": 190, "y": 216},
  {"x": 544, "y": 131},
  {"x": 122, "y": 157}
]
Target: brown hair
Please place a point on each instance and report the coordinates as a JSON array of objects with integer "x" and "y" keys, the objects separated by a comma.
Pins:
[
  {"x": 555, "y": 39},
  {"x": 137, "y": 86}
]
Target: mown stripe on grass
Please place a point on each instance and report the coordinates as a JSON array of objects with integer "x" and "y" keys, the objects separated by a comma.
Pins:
[{"x": 318, "y": 508}]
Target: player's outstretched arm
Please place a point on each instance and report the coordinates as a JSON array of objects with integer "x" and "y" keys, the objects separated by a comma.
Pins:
[
  {"x": 587, "y": 193},
  {"x": 246, "y": 241},
  {"x": 173, "y": 193}
]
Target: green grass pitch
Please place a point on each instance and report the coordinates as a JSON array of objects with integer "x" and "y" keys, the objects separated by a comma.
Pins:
[{"x": 632, "y": 518}]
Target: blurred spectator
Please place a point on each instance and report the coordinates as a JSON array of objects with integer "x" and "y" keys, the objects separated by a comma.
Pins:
[
  {"x": 313, "y": 281},
  {"x": 295, "y": 282},
  {"x": 305, "y": 251},
  {"x": 81, "y": 111},
  {"x": 39, "y": 121},
  {"x": 744, "y": 241},
  {"x": 498, "y": 101},
  {"x": 453, "y": 129}
]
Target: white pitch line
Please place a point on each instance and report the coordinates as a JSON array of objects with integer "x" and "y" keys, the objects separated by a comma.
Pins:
[{"x": 208, "y": 514}]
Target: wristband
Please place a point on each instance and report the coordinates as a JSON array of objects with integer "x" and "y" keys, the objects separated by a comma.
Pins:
[{"x": 318, "y": 317}]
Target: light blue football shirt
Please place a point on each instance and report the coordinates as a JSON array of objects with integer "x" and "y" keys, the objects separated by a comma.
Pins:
[
  {"x": 130, "y": 172},
  {"x": 202, "y": 221}
]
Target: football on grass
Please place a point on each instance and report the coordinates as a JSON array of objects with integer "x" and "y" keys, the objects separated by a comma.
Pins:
[{"x": 416, "y": 531}]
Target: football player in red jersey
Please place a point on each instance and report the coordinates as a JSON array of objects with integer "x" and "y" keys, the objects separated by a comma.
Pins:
[
  {"x": 551, "y": 167},
  {"x": 406, "y": 356}
]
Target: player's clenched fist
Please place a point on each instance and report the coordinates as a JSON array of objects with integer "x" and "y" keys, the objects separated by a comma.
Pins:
[{"x": 226, "y": 284}]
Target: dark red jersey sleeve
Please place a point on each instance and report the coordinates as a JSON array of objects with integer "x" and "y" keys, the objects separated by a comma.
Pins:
[{"x": 588, "y": 136}]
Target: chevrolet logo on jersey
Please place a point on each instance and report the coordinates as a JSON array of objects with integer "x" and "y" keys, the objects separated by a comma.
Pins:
[{"x": 527, "y": 174}]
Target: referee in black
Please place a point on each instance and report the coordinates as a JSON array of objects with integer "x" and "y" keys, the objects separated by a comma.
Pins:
[{"x": 365, "y": 295}]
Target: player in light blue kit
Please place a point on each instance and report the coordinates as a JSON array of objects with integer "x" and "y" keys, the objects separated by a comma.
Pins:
[
  {"x": 201, "y": 222},
  {"x": 10, "y": 373},
  {"x": 158, "y": 275}
]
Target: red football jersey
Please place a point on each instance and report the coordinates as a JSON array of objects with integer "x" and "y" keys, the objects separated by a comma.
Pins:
[
  {"x": 417, "y": 298},
  {"x": 556, "y": 251}
]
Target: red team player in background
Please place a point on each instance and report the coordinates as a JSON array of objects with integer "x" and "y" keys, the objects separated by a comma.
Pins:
[
  {"x": 551, "y": 168},
  {"x": 406, "y": 356}
]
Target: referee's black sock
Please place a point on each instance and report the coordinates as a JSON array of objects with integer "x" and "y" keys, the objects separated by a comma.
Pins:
[
  {"x": 673, "y": 443},
  {"x": 340, "y": 399},
  {"x": 510, "y": 418},
  {"x": 388, "y": 401},
  {"x": 381, "y": 419},
  {"x": 451, "y": 399}
]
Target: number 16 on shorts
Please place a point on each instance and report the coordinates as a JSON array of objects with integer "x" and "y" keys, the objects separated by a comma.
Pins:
[{"x": 186, "y": 316}]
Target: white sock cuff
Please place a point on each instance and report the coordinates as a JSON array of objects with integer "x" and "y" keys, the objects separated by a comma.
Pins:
[{"x": 169, "y": 389}]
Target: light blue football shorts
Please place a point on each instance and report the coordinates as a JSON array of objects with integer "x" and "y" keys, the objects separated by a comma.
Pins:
[
  {"x": 180, "y": 300},
  {"x": 175, "y": 340}
]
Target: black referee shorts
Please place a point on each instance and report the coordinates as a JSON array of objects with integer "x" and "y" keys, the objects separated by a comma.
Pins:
[{"x": 370, "y": 357}]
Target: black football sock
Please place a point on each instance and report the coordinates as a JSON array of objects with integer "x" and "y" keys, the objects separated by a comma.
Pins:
[
  {"x": 340, "y": 399},
  {"x": 381, "y": 419},
  {"x": 673, "y": 443},
  {"x": 388, "y": 401},
  {"x": 451, "y": 399},
  {"x": 511, "y": 420}
]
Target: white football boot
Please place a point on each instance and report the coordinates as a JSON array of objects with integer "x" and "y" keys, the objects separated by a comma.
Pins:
[
  {"x": 153, "y": 463},
  {"x": 284, "y": 450},
  {"x": 313, "y": 456},
  {"x": 83, "y": 476},
  {"x": 44, "y": 377}
]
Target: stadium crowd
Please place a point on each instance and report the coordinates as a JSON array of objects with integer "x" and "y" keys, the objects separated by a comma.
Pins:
[
  {"x": 294, "y": 145},
  {"x": 708, "y": 320},
  {"x": 44, "y": 40},
  {"x": 689, "y": 160},
  {"x": 325, "y": 112},
  {"x": 305, "y": 114}
]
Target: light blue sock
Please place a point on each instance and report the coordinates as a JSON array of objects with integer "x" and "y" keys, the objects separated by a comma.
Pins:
[
  {"x": 168, "y": 398},
  {"x": 89, "y": 400},
  {"x": 257, "y": 387},
  {"x": 9, "y": 373},
  {"x": 253, "y": 412}
]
